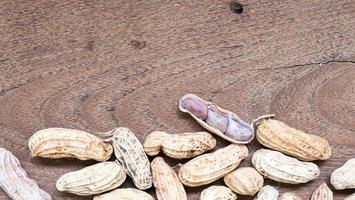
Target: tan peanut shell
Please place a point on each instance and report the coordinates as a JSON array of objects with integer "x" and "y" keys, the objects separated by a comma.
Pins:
[
  {"x": 218, "y": 193},
  {"x": 289, "y": 196},
  {"x": 351, "y": 197},
  {"x": 68, "y": 143},
  {"x": 281, "y": 137},
  {"x": 94, "y": 179},
  {"x": 129, "y": 151},
  {"x": 322, "y": 193},
  {"x": 124, "y": 194},
  {"x": 244, "y": 181},
  {"x": 178, "y": 146},
  {"x": 282, "y": 168},
  {"x": 223, "y": 123},
  {"x": 15, "y": 181},
  {"x": 344, "y": 177},
  {"x": 166, "y": 182},
  {"x": 209, "y": 167},
  {"x": 267, "y": 193}
]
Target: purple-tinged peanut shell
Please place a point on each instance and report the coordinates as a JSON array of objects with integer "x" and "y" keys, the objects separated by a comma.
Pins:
[
  {"x": 223, "y": 123},
  {"x": 194, "y": 106}
]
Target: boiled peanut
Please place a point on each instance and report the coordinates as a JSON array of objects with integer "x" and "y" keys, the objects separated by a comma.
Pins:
[
  {"x": 244, "y": 181},
  {"x": 282, "y": 168},
  {"x": 289, "y": 196},
  {"x": 267, "y": 193},
  {"x": 223, "y": 123},
  {"x": 344, "y": 177},
  {"x": 94, "y": 179},
  {"x": 178, "y": 146},
  {"x": 129, "y": 151},
  {"x": 209, "y": 167},
  {"x": 124, "y": 194},
  {"x": 322, "y": 193},
  {"x": 68, "y": 143},
  {"x": 218, "y": 193},
  {"x": 15, "y": 181},
  {"x": 166, "y": 182},
  {"x": 281, "y": 137}
]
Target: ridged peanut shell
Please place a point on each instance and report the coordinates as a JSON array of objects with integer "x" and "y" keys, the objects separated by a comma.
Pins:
[
  {"x": 178, "y": 146},
  {"x": 130, "y": 153},
  {"x": 94, "y": 179},
  {"x": 322, "y": 193},
  {"x": 267, "y": 193},
  {"x": 289, "y": 196},
  {"x": 282, "y": 168},
  {"x": 242, "y": 132},
  {"x": 244, "y": 181},
  {"x": 344, "y": 177},
  {"x": 279, "y": 136},
  {"x": 209, "y": 167},
  {"x": 124, "y": 194},
  {"x": 68, "y": 143},
  {"x": 166, "y": 182},
  {"x": 217, "y": 193},
  {"x": 351, "y": 197},
  {"x": 15, "y": 181}
]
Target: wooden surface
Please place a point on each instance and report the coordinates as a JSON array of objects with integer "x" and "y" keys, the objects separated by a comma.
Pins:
[{"x": 96, "y": 65}]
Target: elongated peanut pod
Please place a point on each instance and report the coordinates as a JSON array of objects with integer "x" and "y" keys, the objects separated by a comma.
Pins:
[
  {"x": 282, "y": 168},
  {"x": 244, "y": 181},
  {"x": 218, "y": 193},
  {"x": 130, "y": 153},
  {"x": 322, "y": 193},
  {"x": 94, "y": 179},
  {"x": 281, "y": 137},
  {"x": 166, "y": 182},
  {"x": 223, "y": 123},
  {"x": 209, "y": 167},
  {"x": 267, "y": 193},
  {"x": 124, "y": 194},
  {"x": 178, "y": 146},
  {"x": 68, "y": 143},
  {"x": 344, "y": 177},
  {"x": 15, "y": 181}
]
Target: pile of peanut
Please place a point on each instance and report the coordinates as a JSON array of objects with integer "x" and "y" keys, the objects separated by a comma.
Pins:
[{"x": 286, "y": 158}]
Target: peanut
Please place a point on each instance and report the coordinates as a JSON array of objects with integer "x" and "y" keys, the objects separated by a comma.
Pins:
[
  {"x": 124, "y": 194},
  {"x": 94, "y": 179},
  {"x": 209, "y": 167},
  {"x": 351, "y": 197},
  {"x": 218, "y": 193},
  {"x": 178, "y": 146},
  {"x": 322, "y": 193},
  {"x": 166, "y": 182},
  {"x": 281, "y": 137},
  {"x": 223, "y": 123},
  {"x": 129, "y": 151},
  {"x": 344, "y": 177},
  {"x": 289, "y": 196},
  {"x": 267, "y": 193},
  {"x": 68, "y": 143},
  {"x": 15, "y": 181},
  {"x": 244, "y": 181},
  {"x": 282, "y": 168}
]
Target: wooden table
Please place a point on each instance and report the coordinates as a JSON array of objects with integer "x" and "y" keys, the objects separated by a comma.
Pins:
[{"x": 97, "y": 65}]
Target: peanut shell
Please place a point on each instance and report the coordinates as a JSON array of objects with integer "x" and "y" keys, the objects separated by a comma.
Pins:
[
  {"x": 244, "y": 181},
  {"x": 218, "y": 193},
  {"x": 289, "y": 196},
  {"x": 267, "y": 193},
  {"x": 322, "y": 193},
  {"x": 351, "y": 197},
  {"x": 209, "y": 167},
  {"x": 344, "y": 177},
  {"x": 124, "y": 194}
]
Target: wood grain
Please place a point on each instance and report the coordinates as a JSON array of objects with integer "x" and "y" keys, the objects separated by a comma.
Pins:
[{"x": 96, "y": 65}]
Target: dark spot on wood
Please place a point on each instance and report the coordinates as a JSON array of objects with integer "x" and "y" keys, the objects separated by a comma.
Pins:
[
  {"x": 90, "y": 45},
  {"x": 236, "y": 7},
  {"x": 138, "y": 44},
  {"x": 84, "y": 97}
]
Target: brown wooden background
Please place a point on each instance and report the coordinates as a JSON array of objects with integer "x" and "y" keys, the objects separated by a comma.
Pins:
[{"x": 96, "y": 65}]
